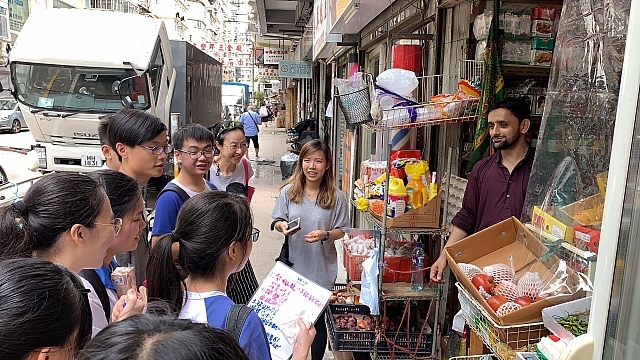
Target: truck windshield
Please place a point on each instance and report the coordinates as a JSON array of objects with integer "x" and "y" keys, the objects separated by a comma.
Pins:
[{"x": 77, "y": 88}]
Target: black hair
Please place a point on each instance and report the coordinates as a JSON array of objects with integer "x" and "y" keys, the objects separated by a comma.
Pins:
[
  {"x": 221, "y": 133},
  {"x": 122, "y": 190},
  {"x": 146, "y": 337},
  {"x": 50, "y": 207},
  {"x": 517, "y": 107},
  {"x": 202, "y": 243},
  {"x": 195, "y": 132},
  {"x": 133, "y": 127},
  {"x": 103, "y": 129},
  {"x": 41, "y": 305}
]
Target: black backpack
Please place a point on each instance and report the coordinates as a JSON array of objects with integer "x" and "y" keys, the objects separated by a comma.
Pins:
[
  {"x": 235, "y": 320},
  {"x": 176, "y": 189},
  {"x": 101, "y": 291}
]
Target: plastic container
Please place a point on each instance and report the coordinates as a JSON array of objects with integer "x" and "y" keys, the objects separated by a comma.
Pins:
[
  {"x": 417, "y": 268},
  {"x": 416, "y": 192},
  {"x": 397, "y": 197}
]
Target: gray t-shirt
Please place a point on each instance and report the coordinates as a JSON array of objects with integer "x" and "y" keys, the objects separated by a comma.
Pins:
[{"x": 316, "y": 261}]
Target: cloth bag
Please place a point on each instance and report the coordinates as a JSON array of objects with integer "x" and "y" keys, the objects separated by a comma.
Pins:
[{"x": 250, "y": 189}]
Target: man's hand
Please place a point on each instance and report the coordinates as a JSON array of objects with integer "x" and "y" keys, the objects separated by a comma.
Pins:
[{"x": 437, "y": 269}]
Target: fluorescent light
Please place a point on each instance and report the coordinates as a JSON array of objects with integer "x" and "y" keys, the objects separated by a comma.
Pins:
[{"x": 351, "y": 12}]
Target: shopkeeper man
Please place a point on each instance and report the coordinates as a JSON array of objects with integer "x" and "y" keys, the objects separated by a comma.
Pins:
[{"x": 498, "y": 184}]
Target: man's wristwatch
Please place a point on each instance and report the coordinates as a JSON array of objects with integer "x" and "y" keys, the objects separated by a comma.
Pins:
[{"x": 326, "y": 237}]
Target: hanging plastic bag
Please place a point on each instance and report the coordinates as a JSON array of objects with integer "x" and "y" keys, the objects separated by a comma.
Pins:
[{"x": 369, "y": 292}]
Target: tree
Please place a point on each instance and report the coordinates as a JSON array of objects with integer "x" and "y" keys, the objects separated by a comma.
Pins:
[{"x": 259, "y": 97}]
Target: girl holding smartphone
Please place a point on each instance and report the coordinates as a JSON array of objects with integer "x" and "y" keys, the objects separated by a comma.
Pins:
[{"x": 311, "y": 195}]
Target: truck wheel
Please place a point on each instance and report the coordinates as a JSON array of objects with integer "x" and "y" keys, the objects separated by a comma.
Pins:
[{"x": 15, "y": 127}]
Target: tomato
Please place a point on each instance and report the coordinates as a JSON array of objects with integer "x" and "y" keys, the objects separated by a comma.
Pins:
[
  {"x": 496, "y": 301},
  {"x": 523, "y": 301},
  {"x": 485, "y": 281}
]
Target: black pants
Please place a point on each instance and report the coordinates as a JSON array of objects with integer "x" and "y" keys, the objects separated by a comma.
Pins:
[
  {"x": 319, "y": 344},
  {"x": 253, "y": 138}
]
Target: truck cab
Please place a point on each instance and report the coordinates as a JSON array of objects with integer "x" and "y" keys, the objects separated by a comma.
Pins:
[{"x": 71, "y": 67}]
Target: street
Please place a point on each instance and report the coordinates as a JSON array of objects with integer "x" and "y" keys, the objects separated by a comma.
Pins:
[{"x": 22, "y": 140}]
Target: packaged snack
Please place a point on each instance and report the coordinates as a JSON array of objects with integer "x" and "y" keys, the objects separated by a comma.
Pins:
[
  {"x": 124, "y": 278},
  {"x": 541, "y": 28},
  {"x": 541, "y": 57}
]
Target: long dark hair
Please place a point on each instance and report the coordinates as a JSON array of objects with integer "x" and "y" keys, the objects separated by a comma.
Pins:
[
  {"x": 327, "y": 195},
  {"x": 161, "y": 338},
  {"x": 221, "y": 133},
  {"x": 207, "y": 224},
  {"x": 122, "y": 190},
  {"x": 41, "y": 305},
  {"x": 50, "y": 207}
]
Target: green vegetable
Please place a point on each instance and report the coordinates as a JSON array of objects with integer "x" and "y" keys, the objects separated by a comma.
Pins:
[{"x": 576, "y": 324}]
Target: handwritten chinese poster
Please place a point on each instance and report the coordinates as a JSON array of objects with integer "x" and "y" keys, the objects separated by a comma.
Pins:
[{"x": 283, "y": 297}]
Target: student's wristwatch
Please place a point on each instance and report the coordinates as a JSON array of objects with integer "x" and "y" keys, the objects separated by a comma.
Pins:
[{"x": 326, "y": 237}]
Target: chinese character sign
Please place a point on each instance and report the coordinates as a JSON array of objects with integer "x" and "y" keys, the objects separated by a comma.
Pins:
[
  {"x": 285, "y": 294},
  {"x": 294, "y": 69},
  {"x": 229, "y": 48},
  {"x": 267, "y": 72},
  {"x": 273, "y": 55},
  {"x": 238, "y": 62}
]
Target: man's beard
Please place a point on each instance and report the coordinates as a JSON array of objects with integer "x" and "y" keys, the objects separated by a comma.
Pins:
[{"x": 506, "y": 143}]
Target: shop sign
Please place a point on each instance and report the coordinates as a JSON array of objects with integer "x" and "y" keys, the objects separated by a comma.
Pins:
[
  {"x": 273, "y": 55},
  {"x": 320, "y": 26},
  {"x": 229, "y": 48},
  {"x": 18, "y": 14},
  {"x": 294, "y": 69},
  {"x": 307, "y": 44},
  {"x": 267, "y": 72},
  {"x": 237, "y": 62}
]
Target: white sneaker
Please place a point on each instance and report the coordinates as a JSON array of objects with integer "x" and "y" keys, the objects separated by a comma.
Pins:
[{"x": 257, "y": 157}]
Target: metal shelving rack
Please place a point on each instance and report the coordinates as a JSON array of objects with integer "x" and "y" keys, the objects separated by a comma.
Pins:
[{"x": 465, "y": 111}]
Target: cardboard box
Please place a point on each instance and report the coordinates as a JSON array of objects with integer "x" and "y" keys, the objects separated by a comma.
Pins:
[
  {"x": 426, "y": 216},
  {"x": 567, "y": 213},
  {"x": 586, "y": 239},
  {"x": 551, "y": 226},
  {"x": 571, "y": 308},
  {"x": 542, "y": 43},
  {"x": 508, "y": 242}
]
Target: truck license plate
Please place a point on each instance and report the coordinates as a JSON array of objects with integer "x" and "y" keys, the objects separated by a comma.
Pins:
[{"x": 91, "y": 160}]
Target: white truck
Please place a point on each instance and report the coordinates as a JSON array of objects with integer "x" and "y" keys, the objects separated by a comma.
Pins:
[{"x": 71, "y": 67}]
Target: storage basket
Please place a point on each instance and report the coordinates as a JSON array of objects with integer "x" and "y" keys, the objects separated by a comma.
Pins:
[
  {"x": 503, "y": 341},
  {"x": 356, "y": 106},
  {"x": 354, "y": 265},
  {"x": 344, "y": 340},
  {"x": 408, "y": 342}
]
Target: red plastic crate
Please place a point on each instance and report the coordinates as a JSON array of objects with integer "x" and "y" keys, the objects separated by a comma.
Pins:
[
  {"x": 354, "y": 266},
  {"x": 394, "y": 264}
]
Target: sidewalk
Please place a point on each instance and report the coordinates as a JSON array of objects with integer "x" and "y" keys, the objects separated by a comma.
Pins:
[{"x": 268, "y": 180}]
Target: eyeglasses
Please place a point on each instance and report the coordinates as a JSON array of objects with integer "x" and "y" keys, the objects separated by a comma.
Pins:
[
  {"x": 235, "y": 147},
  {"x": 117, "y": 225},
  {"x": 195, "y": 155},
  {"x": 158, "y": 150},
  {"x": 255, "y": 234}
]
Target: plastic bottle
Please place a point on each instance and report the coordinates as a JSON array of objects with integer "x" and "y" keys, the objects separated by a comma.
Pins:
[
  {"x": 416, "y": 192},
  {"x": 417, "y": 267},
  {"x": 397, "y": 197}
]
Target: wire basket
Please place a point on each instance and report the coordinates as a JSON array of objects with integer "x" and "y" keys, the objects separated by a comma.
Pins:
[
  {"x": 430, "y": 108},
  {"x": 503, "y": 341},
  {"x": 356, "y": 106}
]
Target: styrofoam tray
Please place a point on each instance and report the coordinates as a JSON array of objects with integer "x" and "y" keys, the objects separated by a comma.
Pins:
[{"x": 561, "y": 310}]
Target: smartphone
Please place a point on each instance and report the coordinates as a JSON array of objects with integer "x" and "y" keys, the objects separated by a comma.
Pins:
[{"x": 294, "y": 226}]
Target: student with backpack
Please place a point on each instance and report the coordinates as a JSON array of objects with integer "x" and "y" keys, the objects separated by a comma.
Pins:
[
  {"x": 193, "y": 151},
  {"x": 126, "y": 203},
  {"x": 210, "y": 251}
]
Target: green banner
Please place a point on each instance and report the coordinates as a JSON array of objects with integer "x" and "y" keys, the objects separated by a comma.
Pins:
[{"x": 492, "y": 89}]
